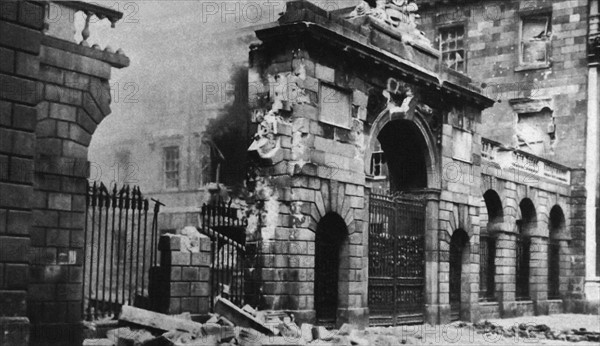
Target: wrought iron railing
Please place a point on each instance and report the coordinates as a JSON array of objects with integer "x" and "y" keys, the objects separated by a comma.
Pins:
[
  {"x": 227, "y": 230},
  {"x": 120, "y": 247}
]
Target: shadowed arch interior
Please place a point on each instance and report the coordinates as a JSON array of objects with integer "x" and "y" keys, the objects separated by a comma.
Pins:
[
  {"x": 331, "y": 233},
  {"x": 493, "y": 205},
  {"x": 403, "y": 145},
  {"x": 526, "y": 225},
  {"x": 556, "y": 229},
  {"x": 458, "y": 242}
]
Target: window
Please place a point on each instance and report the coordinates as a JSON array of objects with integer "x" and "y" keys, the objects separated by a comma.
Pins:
[
  {"x": 378, "y": 164},
  {"x": 452, "y": 46},
  {"x": 535, "y": 40},
  {"x": 171, "y": 155}
]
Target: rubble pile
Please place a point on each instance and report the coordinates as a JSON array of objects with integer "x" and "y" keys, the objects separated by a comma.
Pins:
[
  {"x": 229, "y": 325},
  {"x": 532, "y": 331}
]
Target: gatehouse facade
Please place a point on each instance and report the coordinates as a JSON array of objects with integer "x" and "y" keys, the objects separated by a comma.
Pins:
[{"x": 375, "y": 198}]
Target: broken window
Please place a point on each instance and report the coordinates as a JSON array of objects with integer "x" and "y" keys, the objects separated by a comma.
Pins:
[
  {"x": 535, "y": 39},
  {"x": 378, "y": 164},
  {"x": 536, "y": 132},
  {"x": 452, "y": 46},
  {"x": 171, "y": 155}
]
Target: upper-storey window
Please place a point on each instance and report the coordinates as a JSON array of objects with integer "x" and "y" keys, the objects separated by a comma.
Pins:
[
  {"x": 171, "y": 157},
  {"x": 535, "y": 40},
  {"x": 452, "y": 46}
]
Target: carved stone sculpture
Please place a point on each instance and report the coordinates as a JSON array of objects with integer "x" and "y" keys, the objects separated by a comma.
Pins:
[{"x": 398, "y": 15}]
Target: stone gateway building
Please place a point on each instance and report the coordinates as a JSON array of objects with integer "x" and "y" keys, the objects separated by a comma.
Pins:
[{"x": 466, "y": 227}]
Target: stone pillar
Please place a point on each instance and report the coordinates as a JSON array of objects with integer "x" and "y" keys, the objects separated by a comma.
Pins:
[
  {"x": 538, "y": 280},
  {"x": 505, "y": 272},
  {"x": 592, "y": 276},
  {"x": 433, "y": 266},
  {"x": 182, "y": 281},
  {"x": 21, "y": 24}
]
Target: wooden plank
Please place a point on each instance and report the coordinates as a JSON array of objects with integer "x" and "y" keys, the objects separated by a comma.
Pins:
[{"x": 158, "y": 321}]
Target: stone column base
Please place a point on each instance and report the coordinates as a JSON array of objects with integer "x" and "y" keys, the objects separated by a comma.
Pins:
[
  {"x": 14, "y": 331},
  {"x": 592, "y": 290},
  {"x": 437, "y": 314}
]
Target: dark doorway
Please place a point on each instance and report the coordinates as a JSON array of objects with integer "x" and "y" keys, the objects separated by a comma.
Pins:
[
  {"x": 403, "y": 145},
  {"x": 457, "y": 246},
  {"x": 331, "y": 232}
]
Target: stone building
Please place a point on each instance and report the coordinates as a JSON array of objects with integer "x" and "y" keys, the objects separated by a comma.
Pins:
[
  {"x": 486, "y": 192},
  {"x": 491, "y": 212}
]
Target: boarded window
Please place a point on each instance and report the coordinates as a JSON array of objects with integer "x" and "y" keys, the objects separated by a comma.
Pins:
[
  {"x": 452, "y": 46},
  {"x": 336, "y": 106},
  {"x": 171, "y": 155},
  {"x": 535, "y": 38}
]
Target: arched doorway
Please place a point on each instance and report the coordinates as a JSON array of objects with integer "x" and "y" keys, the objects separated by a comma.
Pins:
[
  {"x": 556, "y": 227},
  {"x": 397, "y": 278},
  {"x": 458, "y": 242},
  {"x": 491, "y": 215},
  {"x": 331, "y": 233},
  {"x": 525, "y": 225}
]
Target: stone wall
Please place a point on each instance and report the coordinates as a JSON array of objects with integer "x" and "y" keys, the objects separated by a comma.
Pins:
[{"x": 21, "y": 25}]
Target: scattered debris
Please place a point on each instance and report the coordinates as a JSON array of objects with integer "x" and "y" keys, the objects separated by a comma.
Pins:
[
  {"x": 539, "y": 331},
  {"x": 239, "y": 317},
  {"x": 229, "y": 325}
]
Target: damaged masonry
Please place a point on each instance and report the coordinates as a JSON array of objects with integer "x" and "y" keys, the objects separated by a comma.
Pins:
[{"x": 385, "y": 174}]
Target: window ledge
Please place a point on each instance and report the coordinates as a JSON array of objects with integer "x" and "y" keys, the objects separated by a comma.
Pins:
[
  {"x": 488, "y": 302},
  {"x": 531, "y": 67}
]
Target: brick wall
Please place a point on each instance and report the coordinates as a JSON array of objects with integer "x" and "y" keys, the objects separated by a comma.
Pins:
[{"x": 21, "y": 24}]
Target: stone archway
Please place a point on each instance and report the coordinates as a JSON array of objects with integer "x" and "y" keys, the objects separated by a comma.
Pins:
[{"x": 330, "y": 236}]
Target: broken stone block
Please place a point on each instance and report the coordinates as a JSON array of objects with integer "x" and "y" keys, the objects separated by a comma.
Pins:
[
  {"x": 98, "y": 342},
  {"x": 306, "y": 332},
  {"x": 289, "y": 330},
  {"x": 321, "y": 333},
  {"x": 158, "y": 321},
  {"x": 129, "y": 337},
  {"x": 239, "y": 317},
  {"x": 249, "y": 310},
  {"x": 345, "y": 329},
  {"x": 249, "y": 337}
]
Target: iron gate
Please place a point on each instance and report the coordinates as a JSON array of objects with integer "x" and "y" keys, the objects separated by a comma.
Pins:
[
  {"x": 227, "y": 231},
  {"x": 396, "y": 260},
  {"x": 120, "y": 244}
]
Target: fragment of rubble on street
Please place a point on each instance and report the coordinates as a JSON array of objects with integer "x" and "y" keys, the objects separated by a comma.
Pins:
[
  {"x": 239, "y": 317},
  {"x": 158, "y": 321}
]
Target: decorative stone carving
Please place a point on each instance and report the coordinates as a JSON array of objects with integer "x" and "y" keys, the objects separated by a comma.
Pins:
[
  {"x": 398, "y": 95},
  {"x": 398, "y": 15}
]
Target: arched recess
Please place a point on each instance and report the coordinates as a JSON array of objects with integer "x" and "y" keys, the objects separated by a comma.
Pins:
[
  {"x": 460, "y": 264},
  {"x": 405, "y": 137},
  {"x": 331, "y": 255},
  {"x": 492, "y": 215},
  {"x": 526, "y": 226},
  {"x": 557, "y": 229}
]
